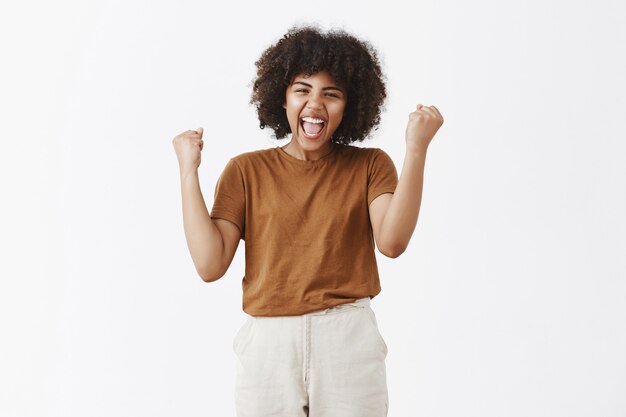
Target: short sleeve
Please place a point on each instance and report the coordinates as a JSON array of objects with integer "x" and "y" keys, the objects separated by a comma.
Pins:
[
  {"x": 229, "y": 200},
  {"x": 382, "y": 176}
]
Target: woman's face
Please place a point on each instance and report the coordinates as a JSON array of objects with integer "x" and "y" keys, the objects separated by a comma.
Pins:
[{"x": 315, "y": 106}]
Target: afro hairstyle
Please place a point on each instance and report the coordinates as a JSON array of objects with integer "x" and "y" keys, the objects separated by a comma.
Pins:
[{"x": 352, "y": 63}]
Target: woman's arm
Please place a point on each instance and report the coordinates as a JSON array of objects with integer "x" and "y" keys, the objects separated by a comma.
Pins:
[
  {"x": 212, "y": 242},
  {"x": 204, "y": 239},
  {"x": 394, "y": 216}
]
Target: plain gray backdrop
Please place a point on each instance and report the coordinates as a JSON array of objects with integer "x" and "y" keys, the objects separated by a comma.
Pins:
[{"x": 509, "y": 301}]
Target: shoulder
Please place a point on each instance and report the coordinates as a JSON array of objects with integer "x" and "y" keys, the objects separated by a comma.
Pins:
[
  {"x": 377, "y": 152},
  {"x": 259, "y": 153},
  {"x": 254, "y": 157},
  {"x": 368, "y": 155},
  {"x": 362, "y": 150},
  {"x": 355, "y": 152},
  {"x": 377, "y": 155}
]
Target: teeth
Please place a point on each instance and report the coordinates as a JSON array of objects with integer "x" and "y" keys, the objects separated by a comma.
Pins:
[{"x": 312, "y": 120}]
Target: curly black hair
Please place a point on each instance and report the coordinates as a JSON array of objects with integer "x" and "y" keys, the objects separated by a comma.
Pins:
[{"x": 353, "y": 64}]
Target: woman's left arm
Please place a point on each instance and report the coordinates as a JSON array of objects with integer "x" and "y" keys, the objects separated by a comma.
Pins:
[{"x": 394, "y": 216}]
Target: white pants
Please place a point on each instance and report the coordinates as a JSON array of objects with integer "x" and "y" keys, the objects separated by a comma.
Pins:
[{"x": 327, "y": 363}]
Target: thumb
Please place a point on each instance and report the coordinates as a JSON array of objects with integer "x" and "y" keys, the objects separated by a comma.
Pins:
[{"x": 200, "y": 130}]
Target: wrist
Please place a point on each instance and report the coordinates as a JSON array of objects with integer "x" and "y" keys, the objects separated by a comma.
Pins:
[
  {"x": 186, "y": 173},
  {"x": 417, "y": 151}
]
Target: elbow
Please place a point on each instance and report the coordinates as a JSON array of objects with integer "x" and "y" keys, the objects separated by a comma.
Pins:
[
  {"x": 208, "y": 275},
  {"x": 207, "y": 278},
  {"x": 392, "y": 251}
]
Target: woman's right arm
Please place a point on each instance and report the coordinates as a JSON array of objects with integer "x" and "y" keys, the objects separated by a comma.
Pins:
[
  {"x": 212, "y": 243},
  {"x": 204, "y": 239}
]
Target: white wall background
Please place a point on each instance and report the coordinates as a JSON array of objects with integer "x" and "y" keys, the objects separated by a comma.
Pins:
[{"x": 510, "y": 300}]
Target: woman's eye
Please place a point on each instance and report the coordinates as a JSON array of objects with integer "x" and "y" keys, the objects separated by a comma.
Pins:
[{"x": 302, "y": 90}]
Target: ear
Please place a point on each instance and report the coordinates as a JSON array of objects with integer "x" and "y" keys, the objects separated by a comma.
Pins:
[{"x": 285, "y": 105}]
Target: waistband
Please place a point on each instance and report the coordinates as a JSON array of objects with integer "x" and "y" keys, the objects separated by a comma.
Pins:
[{"x": 361, "y": 302}]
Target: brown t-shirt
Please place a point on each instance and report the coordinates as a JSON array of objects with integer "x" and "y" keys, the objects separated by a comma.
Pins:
[{"x": 308, "y": 238}]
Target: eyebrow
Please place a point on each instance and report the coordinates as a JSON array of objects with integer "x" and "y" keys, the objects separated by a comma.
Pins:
[{"x": 325, "y": 88}]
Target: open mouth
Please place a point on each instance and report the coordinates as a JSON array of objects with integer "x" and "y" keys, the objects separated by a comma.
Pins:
[{"x": 312, "y": 127}]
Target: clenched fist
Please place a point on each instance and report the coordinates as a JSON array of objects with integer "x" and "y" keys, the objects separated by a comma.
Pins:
[
  {"x": 423, "y": 124},
  {"x": 188, "y": 146}
]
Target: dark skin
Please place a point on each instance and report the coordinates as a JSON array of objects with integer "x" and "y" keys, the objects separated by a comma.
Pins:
[
  {"x": 319, "y": 97},
  {"x": 352, "y": 63}
]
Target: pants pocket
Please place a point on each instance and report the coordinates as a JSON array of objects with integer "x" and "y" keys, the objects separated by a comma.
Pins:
[
  {"x": 373, "y": 323},
  {"x": 241, "y": 335}
]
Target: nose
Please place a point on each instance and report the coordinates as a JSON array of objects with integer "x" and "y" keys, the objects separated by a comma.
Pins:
[{"x": 314, "y": 102}]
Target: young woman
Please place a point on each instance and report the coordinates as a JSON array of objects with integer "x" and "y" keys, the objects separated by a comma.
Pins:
[{"x": 311, "y": 213}]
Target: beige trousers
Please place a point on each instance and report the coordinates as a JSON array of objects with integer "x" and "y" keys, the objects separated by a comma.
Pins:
[{"x": 327, "y": 363}]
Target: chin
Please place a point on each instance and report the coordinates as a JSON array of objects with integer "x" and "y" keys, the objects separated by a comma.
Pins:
[{"x": 312, "y": 144}]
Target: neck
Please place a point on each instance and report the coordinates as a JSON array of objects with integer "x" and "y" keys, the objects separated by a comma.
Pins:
[{"x": 298, "y": 153}]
